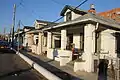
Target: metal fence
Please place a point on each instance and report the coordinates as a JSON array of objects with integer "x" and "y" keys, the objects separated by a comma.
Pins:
[{"x": 114, "y": 68}]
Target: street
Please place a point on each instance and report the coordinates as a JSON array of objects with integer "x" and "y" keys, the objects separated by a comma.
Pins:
[{"x": 12, "y": 67}]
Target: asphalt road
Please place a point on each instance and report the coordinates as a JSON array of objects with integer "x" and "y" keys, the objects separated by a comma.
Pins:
[{"x": 12, "y": 67}]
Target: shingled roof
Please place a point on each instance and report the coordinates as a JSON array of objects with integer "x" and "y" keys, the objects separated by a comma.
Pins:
[
  {"x": 47, "y": 22},
  {"x": 28, "y": 27},
  {"x": 72, "y": 8},
  {"x": 90, "y": 17}
]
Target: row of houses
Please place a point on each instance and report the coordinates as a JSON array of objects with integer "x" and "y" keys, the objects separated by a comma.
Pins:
[{"x": 95, "y": 36}]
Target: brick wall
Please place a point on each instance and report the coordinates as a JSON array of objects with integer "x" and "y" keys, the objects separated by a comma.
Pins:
[{"x": 112, "y": 14}]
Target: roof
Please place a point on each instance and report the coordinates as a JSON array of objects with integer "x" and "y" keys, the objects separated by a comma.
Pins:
[
  {"x": 28, "y": 27},
  {"x": 90, "y": 17},
  {"x": 72, "y": 8},
  {"x": 45, "y": 26},
  {"x": 21, "y": 29},
  {"x": 47, "y": 22}
]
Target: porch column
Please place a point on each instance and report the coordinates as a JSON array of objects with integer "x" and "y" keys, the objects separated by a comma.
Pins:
[
  {"x": 24, "y": 39},
  {"x": 63, "y": 39},
  {"x": 89, "y": 46},
  {"x": 49, "y": 40},
  {"x": 40, "y": 43},
  {"x": 53, "y": 41},
  {"x": 30, "y": 40}
]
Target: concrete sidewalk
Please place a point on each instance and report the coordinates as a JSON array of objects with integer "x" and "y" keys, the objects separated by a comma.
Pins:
[{"x": 54, "y": 67}]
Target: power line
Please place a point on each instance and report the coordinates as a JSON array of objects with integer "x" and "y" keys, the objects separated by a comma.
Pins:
[
  {"x": 33, "y": 12},
  {"x": 16, "y": 6},
  {"x": 58, "y": 19},
  {"x": 70, "y": 11},
  {"x": 20, "y": 3},
  {"x": 21, "y": 23},
  {"x": 81, "y": 4},
  {"x": 57, "y": 2}
]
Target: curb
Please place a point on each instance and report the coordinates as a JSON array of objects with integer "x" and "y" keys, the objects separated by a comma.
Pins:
[{"x": 41, "y": 70}]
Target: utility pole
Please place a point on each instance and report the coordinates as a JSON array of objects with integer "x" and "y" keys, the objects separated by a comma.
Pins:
[
  {"x": 10, "y": 36},
  {"x": 18, "y": 35},
  {"x": 13, "y": 24},
  {"x": 4, "y": 33}
]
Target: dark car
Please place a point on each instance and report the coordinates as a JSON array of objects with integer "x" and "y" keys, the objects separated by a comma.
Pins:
[
  {"x": 4, "y": 47},
  {"x": 15, "y": 46},
  {"x": 4, "y": 44}
]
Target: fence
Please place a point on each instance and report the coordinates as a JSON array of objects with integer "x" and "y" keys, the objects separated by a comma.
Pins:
[{"x": 114, "y": 68}]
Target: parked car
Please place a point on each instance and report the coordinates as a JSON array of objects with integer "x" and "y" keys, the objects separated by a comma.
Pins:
[
  {"x": 4, "y": 44},
  {"x": 15, "y": 46}
]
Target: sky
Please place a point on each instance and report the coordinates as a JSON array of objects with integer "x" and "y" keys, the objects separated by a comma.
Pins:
[{"x": 49, "y": 10}]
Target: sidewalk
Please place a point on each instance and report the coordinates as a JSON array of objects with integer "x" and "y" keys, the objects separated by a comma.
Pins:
[{"x": 54, "y": 67}]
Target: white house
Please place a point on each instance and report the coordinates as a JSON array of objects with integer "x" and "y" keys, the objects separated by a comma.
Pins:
[
  {"x": 27, "y": 40},
  {"x": 39, "y": 39},
  {"x": 94, "y": 36}
]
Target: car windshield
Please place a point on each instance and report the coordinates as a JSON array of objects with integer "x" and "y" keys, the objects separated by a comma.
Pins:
[{"x": 4, "y": 43}]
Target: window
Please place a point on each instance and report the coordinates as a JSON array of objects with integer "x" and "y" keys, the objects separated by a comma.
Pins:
[
  {"x": 37, "y": 41},
  {"x": 68, "y": 16},
  {"x": 69, "y": 41},
  {"x": 118, "y": 13},
  {"x": 57, "y": 41}
]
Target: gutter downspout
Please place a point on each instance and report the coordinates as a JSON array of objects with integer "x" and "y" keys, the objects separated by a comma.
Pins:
[
  {"x": 96, "y": 28},
  {"x": 98, "y": 54}
]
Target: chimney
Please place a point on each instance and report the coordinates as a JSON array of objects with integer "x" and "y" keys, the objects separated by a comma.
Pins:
[{"x": 92, "y": 9}]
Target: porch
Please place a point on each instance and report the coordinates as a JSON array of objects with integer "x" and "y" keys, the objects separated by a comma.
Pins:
[
  {"x": 60, "y": 40},
  {"x": 91, "y": 40}
]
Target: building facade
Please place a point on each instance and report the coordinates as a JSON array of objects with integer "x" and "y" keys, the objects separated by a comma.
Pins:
[
  {"x": 95, "y": 37},
  {"x": 112, "y": 14}
]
